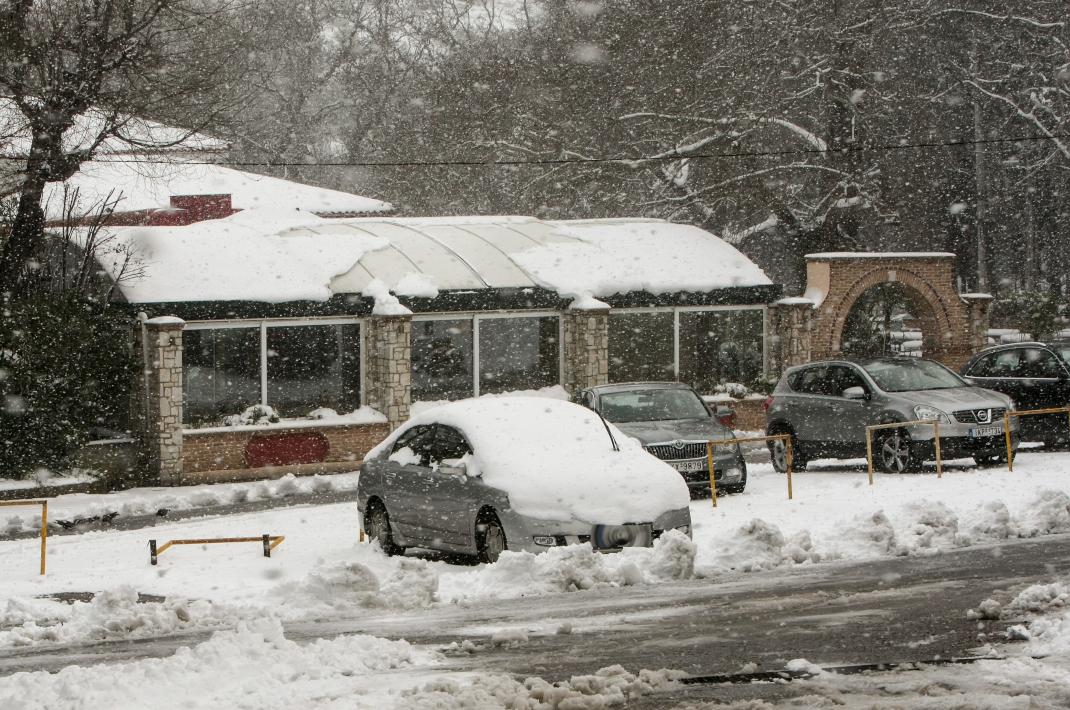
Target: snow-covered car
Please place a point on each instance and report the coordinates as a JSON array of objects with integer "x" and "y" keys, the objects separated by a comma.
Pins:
[{"x": 480, "y": 476}]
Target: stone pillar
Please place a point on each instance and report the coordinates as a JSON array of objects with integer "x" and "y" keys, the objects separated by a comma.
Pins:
[
  {"x": 978, "y": 308},
  {"x": 586, "y": 348},
  {"x": 388, "y": 366},
  {"x": 162, "y": 424},
  {"x": 790, "y": 334}
]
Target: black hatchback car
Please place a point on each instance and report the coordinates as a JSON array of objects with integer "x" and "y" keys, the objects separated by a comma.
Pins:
[{"x": 1035, "y": 376}]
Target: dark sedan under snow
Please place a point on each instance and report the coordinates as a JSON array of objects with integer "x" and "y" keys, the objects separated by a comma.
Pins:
[{"x": 672, "y": 422}]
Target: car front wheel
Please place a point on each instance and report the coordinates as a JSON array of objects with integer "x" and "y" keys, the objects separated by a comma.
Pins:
[{"x": 894, "y": 453}]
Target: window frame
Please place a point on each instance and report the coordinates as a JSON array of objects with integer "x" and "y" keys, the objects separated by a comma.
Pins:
[
  {"x": 262, "y": 325},
  {"x": 476, "y": 317},
  {"x": 677, "y": 310}
]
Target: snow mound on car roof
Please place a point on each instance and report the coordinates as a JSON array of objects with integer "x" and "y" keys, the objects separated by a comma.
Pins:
[{"x": 556, "y": 461}]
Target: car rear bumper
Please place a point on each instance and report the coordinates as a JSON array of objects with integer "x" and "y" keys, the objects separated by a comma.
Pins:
[{"x": 521, "y": 531}]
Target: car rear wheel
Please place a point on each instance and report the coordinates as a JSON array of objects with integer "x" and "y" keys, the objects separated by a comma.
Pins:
[
  {"x": 894, "y": 453},
  {"x": 377, "y": 526},
  {"x": 778, "y": 452},
  {"x": 490, "y": 539}
]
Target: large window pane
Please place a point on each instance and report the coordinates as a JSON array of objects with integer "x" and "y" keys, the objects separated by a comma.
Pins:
[
  {"x": 441, "y": 359},
  {"x": 640, "y": 347},
  {"x": 313, "y": 366},
  {"x": 720, "y": 346},
  {"x": 221, "y": 372},
  {"x": 518, "y": 353}
]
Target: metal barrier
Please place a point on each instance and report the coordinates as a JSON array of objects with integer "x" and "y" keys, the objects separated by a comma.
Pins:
[
  {"x": 786, "y": 438},
  {"x": 934, "y": 423},
  {"x": 270, "y": 542},
  {"x": 44, "y": 522},
  {"x": 1029, "y": 412}
]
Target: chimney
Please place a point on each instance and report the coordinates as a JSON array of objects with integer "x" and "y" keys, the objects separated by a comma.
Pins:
[{"x": 198, "y": 208}]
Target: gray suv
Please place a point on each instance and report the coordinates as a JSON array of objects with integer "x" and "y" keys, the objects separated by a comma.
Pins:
[
  {"x": 673, "y": 423},
  {"x": 826, "y": 407}
]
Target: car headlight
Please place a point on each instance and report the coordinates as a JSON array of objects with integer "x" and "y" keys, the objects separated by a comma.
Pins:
[{"x": 924, "y": 411}]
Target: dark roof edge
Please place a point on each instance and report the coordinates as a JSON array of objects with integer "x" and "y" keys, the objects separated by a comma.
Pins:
[{"x": 491, "y": 299}]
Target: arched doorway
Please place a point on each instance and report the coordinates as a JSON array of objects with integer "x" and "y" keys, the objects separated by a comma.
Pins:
[
  {"x": 888, "y": 319},
  {"x": 922, "y": 286}
]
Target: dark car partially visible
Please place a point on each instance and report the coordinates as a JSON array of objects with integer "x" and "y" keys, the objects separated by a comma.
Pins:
[{"x": 1035, "y": 375}]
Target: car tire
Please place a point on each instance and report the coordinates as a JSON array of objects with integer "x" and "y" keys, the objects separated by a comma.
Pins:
[
  {"x": 894, "y": 452},
  {"x": 377, "y": 527},
  {"x": 490, "y": 539},
  {"x": 997, "y": 459},
  {"x": 778, "y": 454},
  {"x": 739, "y": 487}
]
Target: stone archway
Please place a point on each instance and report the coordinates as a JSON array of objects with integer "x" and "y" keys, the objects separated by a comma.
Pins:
[{"x": 811, "y": 328}]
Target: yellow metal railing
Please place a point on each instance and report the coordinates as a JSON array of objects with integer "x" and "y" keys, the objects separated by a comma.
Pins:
[
  {"x": 1027, "y": 413},
  {"x": 786, "y": 438},
  {"x": 934, "y": 423},
  {"x": 270, "y": 542},
  {"x": 44, "y": 522}
]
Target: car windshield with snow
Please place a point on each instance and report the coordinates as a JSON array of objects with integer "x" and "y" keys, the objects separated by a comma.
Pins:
[
  {"x": 827, "y": 406},
  {"x": 673, "y": 423},
  {"x": 482, "y": 476}
]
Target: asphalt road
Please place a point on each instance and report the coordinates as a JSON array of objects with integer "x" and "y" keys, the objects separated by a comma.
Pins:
[{"x": 890, "y": 610}]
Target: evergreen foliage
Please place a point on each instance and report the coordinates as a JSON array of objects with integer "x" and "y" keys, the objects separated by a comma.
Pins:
[{"x": 65, "y": 369}]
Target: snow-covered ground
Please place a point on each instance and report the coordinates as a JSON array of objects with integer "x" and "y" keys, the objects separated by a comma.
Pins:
[
  {"x": 152, "y": 500},
  {"x": 322, "y": 571}
]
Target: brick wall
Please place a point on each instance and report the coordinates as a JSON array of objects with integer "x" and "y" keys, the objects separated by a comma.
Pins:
[
  {"x": 214, "y": 455},
  {"x": 948, "y": 324}
]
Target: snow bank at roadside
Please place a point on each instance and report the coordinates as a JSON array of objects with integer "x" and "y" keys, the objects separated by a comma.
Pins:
[
  {"x": 571, "y": 569},
  {"x": 111, "y": 615},
  {"x": 917, "y": 527},
  {"x": 608, "y": 687},
  {"x": 253, "y": 666}
]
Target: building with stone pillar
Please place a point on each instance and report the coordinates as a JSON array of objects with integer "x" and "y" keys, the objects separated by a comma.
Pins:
[{"x": 295, "y": 347}]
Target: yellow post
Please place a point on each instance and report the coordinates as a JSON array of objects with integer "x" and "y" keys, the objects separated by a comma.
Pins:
[
  {"x": 869, "y": 453},
  {"x": 713, "y": 480},
  {"x": 787, "y": 449},
  {"x": 44, "y": 533},
  {"x": 936, "y": 439},
  {"x": 1007, "y": 436}
]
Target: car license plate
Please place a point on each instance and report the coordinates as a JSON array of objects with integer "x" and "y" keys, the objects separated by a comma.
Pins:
[
  {"x": 688, "y": 466},
  {"x": 986, "y": 431}
]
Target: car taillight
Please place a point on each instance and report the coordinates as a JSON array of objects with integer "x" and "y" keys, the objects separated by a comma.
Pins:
[{"x": 767, "y": 404}]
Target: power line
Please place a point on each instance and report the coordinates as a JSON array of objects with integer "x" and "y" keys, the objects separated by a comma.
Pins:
[{"x": 628, "y": 162}]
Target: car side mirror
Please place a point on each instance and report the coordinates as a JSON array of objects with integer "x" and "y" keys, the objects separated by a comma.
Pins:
[
  {"x": 458, "y": 468},
  {"x": 855, "y": 393}
]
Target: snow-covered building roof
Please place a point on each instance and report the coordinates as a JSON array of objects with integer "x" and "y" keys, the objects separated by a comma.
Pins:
[
  {"x": 277, "y": 256},
  {"x": 142, "y": 184},
  {"x": 146, "y": 163}
]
